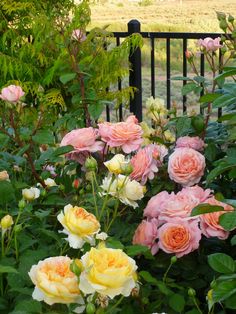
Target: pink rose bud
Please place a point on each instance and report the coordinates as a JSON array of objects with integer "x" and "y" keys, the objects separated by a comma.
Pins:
[
  {"x": 78, "y": 35},
  {"x": 188, "y": 54},
  {"x": 12, "y": 93},
  {"x": 209, "y": 44}
]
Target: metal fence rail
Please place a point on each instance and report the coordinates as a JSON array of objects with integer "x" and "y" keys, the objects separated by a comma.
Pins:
[{"x": 135, "y": 76}]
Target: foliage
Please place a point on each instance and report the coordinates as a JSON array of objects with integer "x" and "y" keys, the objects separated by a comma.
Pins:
[{"x": 102, "y": 180}]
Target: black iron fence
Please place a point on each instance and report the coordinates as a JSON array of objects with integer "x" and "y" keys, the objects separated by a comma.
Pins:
[{"x": 135, "y": 76}]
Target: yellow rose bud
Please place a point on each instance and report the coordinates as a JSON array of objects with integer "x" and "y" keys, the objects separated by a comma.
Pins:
[
  {"x": 4, "y": 176},
  {"x": 50, "y": 182},
  {"x": 114, "y": 165},
  {"x": 55, "y": 282},
  {"x": 169, "y": 136},
  {"x": 6, "y": 222},
  {"x": 30, "y": 194},
  {"x": 79, "y": 225},
  {"x": 107, "y": 271}
]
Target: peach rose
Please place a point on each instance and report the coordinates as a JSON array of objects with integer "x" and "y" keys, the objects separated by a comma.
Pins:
[
  {"x": 186, "y": 166},
  {"x": 194, "y": 142},
  {"x": 209, "y": 223},
  {"x": 54, "y": 281},
  {"x": 127, "y": 135},
  {"x": 83, "y": 140},
  {"x": 12, "y": 93},
  {"x": 144, "y": 165},
  {"x": 146, "y": 234},
  {"x": 179, "y": 236},
  {"x": 209, "y": 44},
  {"x": 157, "y": 204}
]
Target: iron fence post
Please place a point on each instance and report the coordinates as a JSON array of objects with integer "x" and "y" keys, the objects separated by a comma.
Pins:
[{"x": 135, "y": 73}]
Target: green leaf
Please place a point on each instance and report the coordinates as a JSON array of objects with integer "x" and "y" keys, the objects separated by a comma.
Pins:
[
  {"x": 6, "y": 192},
  {"x": 181, "y": 78},
  {"x": 29, "y": 306},
  {"x": 65, "y": 78},
  {"x": 225, "y": 74},
  {"x": 221, "y": 263},
  {"x": 205, "y": 209},
  {"x": 134, "y": 250},
  {"x": 62, "y": 150},
  {"x": 233, "y": 240},
  {"x": 177, "y": 302},
  {"x": 209, "y": 98},
  {"x": 7, "y": 269},
  {"x": 183, "y": 126},
  {"x": 224, "y": 100},
  {"x": 114, "y": 243},
  {"x": 228, "y": 221},
  {"x": 224, "y": 290},
  {"x": 230, "y": 302},
  {"x": 148, "y": 277},
  {"x": 95, "y": 110},
  {"x": 44, "y": 137},
  {"x": 199, "y": 79},
  {"x": 188, "y": 88},
  {"x": 217, "y": 171}
]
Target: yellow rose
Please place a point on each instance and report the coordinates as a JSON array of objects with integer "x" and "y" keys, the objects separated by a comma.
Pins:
[
  {"x": 6, "y": 222},
  {"x": 55, "y": 282},
  {"x": 107, "y": 271},
  {"x": 79, "y": 225},
  {"x": 114, "y": 164},
  {"x": 4, "y": 176}
]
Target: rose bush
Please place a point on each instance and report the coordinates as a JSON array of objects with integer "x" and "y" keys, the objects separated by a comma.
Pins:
[{"x": 107, "y": 217}]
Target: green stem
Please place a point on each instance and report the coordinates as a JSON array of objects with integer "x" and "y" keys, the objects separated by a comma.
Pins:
[
  {"x": 114, "y": 215},
  {"x": 2, "y": 242},
  {"x": 115, "y": 305},
  {"x": 197, "y": 306},
  {"x": 105, "y": 201},
  {"x": 13, "y": 230},
  {"x": 94, "y": 197},
  {"x": 16, "y": 246},
  {"x": 166, "y": 273}
]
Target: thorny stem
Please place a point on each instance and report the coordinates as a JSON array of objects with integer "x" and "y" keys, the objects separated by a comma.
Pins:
[{"x": 22, "y": 144}]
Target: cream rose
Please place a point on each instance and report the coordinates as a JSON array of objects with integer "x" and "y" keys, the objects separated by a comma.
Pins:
[
  {"x": 54, "y": 281},
  {"x": 30, "y": 194},
  {"x": 128, "y": 191},
  {"x": 114, "y": 164},
  {"x": 107, "y": 271},
  {"x": 79, "y": 225}
]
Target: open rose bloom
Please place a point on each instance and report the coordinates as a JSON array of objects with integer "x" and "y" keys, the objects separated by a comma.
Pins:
[
  {"x": 54, "y": 281},
  {"x": 12, "y": 93},
  {"x": 210, "y": 44},
  {"x": 126, "y": 135}
]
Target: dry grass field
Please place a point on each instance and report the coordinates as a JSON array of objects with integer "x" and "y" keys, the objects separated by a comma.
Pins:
[
  {"x": 162, "y": 15},
  {"x": 172, "y": 15}
]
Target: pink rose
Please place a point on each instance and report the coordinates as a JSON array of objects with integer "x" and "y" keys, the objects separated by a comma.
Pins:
[
  {"x": 196, "y": 192},
  {"x": 179, "y": 205},
  {"x": 127, "y": 135},
  {"x": 209, "y": 223},
  {"x": 194, "y": 142},
  {"x": 157, "y": 204},
  {"x": 78, "y": 35},
  {"x": 179, "y": 236},
  {"x": 209, "y": 44},
  {"x": 12, "y": 93},
  {"x": 83, "y": 140},
  {"x": 144, "y": 165},
  {"x": 132, "y": 119},
  {"x": 146, "y": 234},
  {"x": 186, "y": 166}
]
